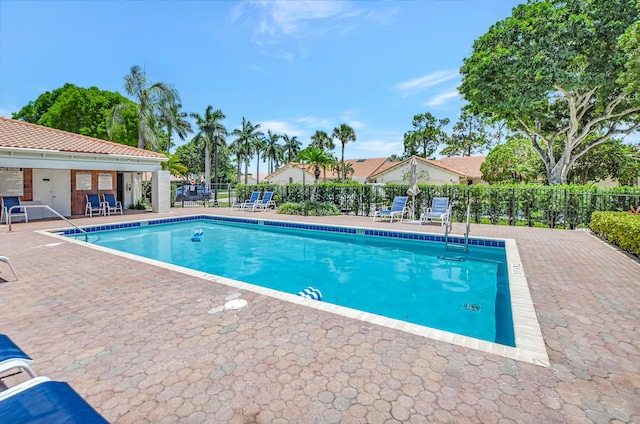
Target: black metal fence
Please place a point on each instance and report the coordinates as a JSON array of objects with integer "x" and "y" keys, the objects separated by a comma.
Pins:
[
  {"x": 553, "y": 207},
  {"x": 197, "y": 196}
]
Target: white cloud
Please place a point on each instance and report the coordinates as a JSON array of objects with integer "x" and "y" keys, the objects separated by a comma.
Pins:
[
  {"x": 408, "y": 88},
  {"x": 355, "y": 124},
  {"x": 373, "y": 148},
  {"x": 315, "y": 122},
  {"x": 279, "y": 127},
  {"x": 300, "y": 18},
  {"x": 442, "y": 98},
  {"x": 5, "y": 112}
]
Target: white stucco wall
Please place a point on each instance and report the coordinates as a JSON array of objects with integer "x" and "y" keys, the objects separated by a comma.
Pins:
[
  {"x": 437, "y": 176},
  {"x": 161, "y": 192},
  {"x": 282, "y": 178}
]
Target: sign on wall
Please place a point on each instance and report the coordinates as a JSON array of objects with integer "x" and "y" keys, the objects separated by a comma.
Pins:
[
  {"x": 83, "y": 181},
  {"x": 11, "y": 181},
  {"x": 105, "y": 181}
]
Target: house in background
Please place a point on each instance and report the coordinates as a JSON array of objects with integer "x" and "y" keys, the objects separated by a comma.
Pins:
[
  {"x": 292, "y": 172},
  {"x": 51, "y": 167},
  {"x": 459, "y": 170}
]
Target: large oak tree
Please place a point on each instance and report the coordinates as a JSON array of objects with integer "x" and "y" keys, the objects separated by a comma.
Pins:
[
  {"x": 553, "y": 71},
  {"x": 79, "y": 110}
]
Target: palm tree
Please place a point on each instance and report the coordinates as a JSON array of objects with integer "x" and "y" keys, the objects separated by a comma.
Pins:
[
  {"x": 291, "y": 146},
  {"x": 322, "y": 141},
  {"x": 149, "y": 97},
  {"x": 345, "y": 134},
  {"x": 237, "y": 149},
  {"x": 246, "y": 137},
  {"x": 212, "y": 132},
  {"x": 272, "y": 150},
  {"x": 258, "y": 147},
  {"x": 172, "y": 118},
  {"x": 317, "y": 158},
  {"x": 175, "y": 165}
]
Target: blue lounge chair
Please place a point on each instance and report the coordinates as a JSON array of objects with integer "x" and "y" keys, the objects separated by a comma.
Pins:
[
  {"x": 40, "y": 400},
  {"x": 398, "y": 208},
  {"x": 240, "y": 205},
  {"x": 440, "y": 209},
  {"x": 7, "y": 202},
  {"x": 265, "y": 203},
  {"x": 110, "y": 204},
  {"x": 94, "y": 205},
  {"x": 11, "y": 356}
]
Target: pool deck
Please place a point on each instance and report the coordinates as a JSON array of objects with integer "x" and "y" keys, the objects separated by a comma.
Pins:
[{"x": 141, "y": 345}]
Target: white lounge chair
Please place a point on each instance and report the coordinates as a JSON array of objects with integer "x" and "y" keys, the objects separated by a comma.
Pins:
[
  {"x": 440, "y": 209},
  {"x": 8, "y": 262},
  {"x": 241, "y": 204},
  {"x": 110, "y": 204},
  {"x": 44, "y": 401},
  {"x": 11, "y": 356},
  {"x": 266, "y": 202},
  {"x": 7, "y": 203},
  {"x": 94, "y": 205},
  {"x": 398, "y": 209}
]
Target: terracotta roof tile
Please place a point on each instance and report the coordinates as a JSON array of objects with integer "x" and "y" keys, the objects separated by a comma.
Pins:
[{"x": 24, "y": 135}]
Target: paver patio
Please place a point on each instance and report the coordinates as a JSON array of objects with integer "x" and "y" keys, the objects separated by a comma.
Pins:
[{"x": 137, "y": 341}]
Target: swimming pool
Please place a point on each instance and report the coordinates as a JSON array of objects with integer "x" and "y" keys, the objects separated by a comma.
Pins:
[{"x": 409, "y": 277}]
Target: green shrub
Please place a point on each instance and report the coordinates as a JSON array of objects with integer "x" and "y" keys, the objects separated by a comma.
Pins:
[
  {"x": 141, "y": 204},
  {"x": 619, "y": 228},
  {"x": 309, "y": 209}
]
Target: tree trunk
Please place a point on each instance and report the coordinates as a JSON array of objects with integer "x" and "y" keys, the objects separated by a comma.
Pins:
[
  {"x": 344, "y": 172},
  {"x": 207, "y": 165},
  {"x": 246, "y": 165},
  {"x": 140, "y": 137},
  {"x": 258, "y": 170},
  {"x": 169, "y": 130}
]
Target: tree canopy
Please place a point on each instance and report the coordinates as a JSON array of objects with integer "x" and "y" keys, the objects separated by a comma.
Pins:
[
  {"x": 85, "y": 111},
  {"x": 551, "y": 70},
  {"x": 426, "y": 135}
]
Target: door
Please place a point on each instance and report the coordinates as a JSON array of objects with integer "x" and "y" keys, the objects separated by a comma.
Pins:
[{"x": 52, "y": 187}]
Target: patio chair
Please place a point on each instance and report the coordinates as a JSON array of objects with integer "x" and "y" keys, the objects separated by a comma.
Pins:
[
  {"x": 7, "y": 203},
  {"x": 240, "y": 205},
  {"x": 440, "y": 209},
  {"x": 94, "y": 205},
  {"x": 110, "y": 204},
  {"x": 11, "y": 356},
  {"x": 41, "y": 400},
  {"x": 398, "y": 208},
  {"x": 8, "y": 262},
  {"x": 265, "y": 203}
]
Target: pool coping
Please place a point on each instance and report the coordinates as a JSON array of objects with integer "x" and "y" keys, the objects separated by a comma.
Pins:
[{"x": 530, "y": 346}]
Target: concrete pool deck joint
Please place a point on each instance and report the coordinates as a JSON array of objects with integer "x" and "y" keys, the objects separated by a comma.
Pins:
[{"x": 529, "y": 344}]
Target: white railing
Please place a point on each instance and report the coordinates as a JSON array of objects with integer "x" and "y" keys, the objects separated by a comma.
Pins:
[
  {"x": 86, "y": 236},
  {"x": 466, "y": 233}
]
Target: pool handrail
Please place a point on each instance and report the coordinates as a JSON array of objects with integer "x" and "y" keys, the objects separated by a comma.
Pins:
[{"x": 86, "y": 235}]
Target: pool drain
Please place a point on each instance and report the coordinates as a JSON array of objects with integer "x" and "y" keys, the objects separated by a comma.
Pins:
[{"x": 235, "y": 304}]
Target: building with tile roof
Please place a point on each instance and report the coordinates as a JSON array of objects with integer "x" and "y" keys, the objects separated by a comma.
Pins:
[
  {"x": 456, "y": 170},
  {"x": 459, "y": 170},
  {"x": 48, "y": 166}
]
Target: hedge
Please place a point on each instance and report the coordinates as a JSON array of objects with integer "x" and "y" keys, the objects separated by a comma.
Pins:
[
  {"x": 568, "y": 206},
  {"x": 619, "y": 228}
]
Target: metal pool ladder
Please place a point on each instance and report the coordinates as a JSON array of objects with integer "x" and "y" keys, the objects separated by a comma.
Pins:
[
  {"x": 457, "y": 246},
  {"x": 86, "y": 236}
]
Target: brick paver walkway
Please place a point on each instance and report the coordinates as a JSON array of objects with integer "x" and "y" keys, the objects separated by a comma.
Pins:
[{"x": 137, "y": 342}]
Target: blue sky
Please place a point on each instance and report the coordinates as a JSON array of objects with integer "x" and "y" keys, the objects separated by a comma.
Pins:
[{"x": 292, "y": 66}]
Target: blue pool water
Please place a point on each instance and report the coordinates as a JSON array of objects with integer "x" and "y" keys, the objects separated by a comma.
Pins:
[{"x": 414, "y": 281}]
